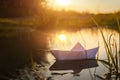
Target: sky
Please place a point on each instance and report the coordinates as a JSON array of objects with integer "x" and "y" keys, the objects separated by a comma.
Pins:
[{"x": 93, "y": 6}]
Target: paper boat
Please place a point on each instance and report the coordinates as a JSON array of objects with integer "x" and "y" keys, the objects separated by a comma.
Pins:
[{"x": 78, "y": 52}]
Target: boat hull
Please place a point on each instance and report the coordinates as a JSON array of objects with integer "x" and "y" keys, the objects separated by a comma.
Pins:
[{"x": 74, "y": 55}]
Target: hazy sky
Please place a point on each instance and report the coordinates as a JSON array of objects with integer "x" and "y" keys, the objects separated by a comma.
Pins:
[{"x": 91, "y": 5}]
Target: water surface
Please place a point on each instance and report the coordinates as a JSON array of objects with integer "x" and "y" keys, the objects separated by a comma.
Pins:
[{"x": 89, "y": 38}]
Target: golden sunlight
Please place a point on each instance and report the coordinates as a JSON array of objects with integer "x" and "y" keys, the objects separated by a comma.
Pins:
[
  {"x": 59, "y": 4},
  {"x": 62, "y": 37},
  {"x": 62, "y": 2}
]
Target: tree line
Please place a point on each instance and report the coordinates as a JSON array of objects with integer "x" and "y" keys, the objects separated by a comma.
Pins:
[{"x": 18, "y": 8}]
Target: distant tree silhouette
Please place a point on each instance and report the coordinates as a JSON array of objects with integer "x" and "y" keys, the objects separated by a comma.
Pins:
[{"x": 18, "y": 8}]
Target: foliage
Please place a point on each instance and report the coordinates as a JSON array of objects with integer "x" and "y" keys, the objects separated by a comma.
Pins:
[
  {"x": 13, "y": 8},
  {"x": 49, "y": 19},
  {"x": 112, "y": 52}
]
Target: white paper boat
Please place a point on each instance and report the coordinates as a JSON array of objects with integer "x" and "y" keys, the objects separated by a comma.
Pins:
[{"x": 77, "y": 53}]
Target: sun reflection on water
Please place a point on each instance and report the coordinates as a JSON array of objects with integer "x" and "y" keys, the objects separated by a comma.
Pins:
[
  {"x": 67, "y": 40},
  {"x": 88, "y": 39}
]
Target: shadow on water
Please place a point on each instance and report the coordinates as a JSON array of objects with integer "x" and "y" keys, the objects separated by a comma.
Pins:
[
  {"x": 76, "y": 65},
  {"x": 16, "y": 45}
]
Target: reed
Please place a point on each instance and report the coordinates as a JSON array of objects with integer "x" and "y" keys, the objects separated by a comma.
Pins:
[
  {"x": 34, "y": 68},
  {"x": 112, "y": 63}
]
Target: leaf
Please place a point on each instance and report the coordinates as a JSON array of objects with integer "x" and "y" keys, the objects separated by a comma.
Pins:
[
  {"x": 99, "y": 77},
  {"x": 105, "y": 62}
]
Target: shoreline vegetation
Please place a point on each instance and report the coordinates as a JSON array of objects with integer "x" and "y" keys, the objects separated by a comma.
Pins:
[{"x": 55, "y": 20}]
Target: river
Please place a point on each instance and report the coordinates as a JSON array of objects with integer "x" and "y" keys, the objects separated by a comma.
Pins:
[
  {"x": 40, "y": 42},
  {"x": 88, "y": 38}
]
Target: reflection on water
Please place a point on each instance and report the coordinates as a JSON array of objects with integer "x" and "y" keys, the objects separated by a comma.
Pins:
[
  {"x": 88, "y": 38},
  {"x": 41, "y": 41},
  {"x": 75, "y": 65},
  {"x": 85, "y": 37}
]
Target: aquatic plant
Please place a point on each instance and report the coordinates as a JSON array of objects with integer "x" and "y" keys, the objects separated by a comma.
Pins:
[{"x": 112, "y": 63}]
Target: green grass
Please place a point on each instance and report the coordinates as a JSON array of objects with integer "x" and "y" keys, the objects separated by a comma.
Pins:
[
  {"x": 37, "y": 74},
  {"x": 113, "y": 54},
  {"x": 34, "y": 68},
  {"x": 64, "y": 20}
]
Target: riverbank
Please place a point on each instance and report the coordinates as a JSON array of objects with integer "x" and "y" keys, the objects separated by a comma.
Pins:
[{"x": 64, "y": 20}]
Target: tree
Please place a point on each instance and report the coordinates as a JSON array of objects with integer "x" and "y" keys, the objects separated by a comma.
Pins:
[{"x": 18, "y": 8}]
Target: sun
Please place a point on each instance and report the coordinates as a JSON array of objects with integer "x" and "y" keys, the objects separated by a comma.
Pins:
[
  {"x": 62, "y": 2},
  {"x": 59, "y": 4},
  {"x": 62, "y": 37}
]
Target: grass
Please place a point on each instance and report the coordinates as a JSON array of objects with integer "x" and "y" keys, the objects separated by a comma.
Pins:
[
  {"x": 34, "y": 68},
  {"x": 63, "y": 20},
  {"x": 113, "y": 54}
]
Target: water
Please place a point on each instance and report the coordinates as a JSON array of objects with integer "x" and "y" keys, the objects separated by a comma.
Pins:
[
  {"x": 41, "y": 42},
  {"x": 89, "y": 38}
]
